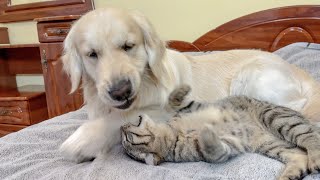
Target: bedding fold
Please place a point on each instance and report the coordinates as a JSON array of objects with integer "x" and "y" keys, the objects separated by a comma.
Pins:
[{"x": 32, "y": 153}]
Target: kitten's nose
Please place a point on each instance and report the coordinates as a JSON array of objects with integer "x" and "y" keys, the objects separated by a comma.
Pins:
[{"x": 121, "y": 90}]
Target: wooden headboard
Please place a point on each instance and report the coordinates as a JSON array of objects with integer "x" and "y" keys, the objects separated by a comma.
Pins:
[{"x": 267, "y": 30}]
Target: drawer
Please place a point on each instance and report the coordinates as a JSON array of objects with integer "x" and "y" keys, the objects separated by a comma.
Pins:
[
  {"x": 23, "y": 106},
  {"x": 14, "y": 112},
  {"x": 7, "y": 129},
  {"x": 53, "y": 32}
]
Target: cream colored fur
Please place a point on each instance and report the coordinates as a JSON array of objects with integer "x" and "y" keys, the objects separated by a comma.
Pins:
[{"x": 155, "y": 71}]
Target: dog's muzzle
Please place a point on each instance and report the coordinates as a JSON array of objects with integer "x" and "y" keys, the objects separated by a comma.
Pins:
[
  {"x": 126, "y": 105},
  {"x": 121, "y": 91}
]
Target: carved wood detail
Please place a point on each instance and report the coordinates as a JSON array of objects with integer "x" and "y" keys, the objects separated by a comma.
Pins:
[
  {"x": 53, "y": 32},
  {"x": 30, "y": 11},
  {"x": 182, "y": 46},
  {"x": 267, "y": 30},
  {"x": 282, "y": 39},
  {"x": 57, "y": 83}
]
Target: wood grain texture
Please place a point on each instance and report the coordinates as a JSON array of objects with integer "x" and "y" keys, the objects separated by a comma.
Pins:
[
  {"x": 57, "y": 83},
  {"x": 22, "y": 93},
  {"x": 23, "y": 106},
  {"x": 4, "y": 36},
  {"x": 53, "y": 31},
  {"x": 14, "y": 112},
  {"x": 6, "y": 129},
  {"x": 20, "y": 106},
  {"x": 37, "y": 5},
  {"x": 31, "y": 11},
  {"x": 38, "y": 110},
  {"x": 57, "y": 18},
  {"x": 268, "y": 30},
  {"x": 182, "y": 46},
  {"x": 21, "y": 59},
  {"x": 7, "y": 80}
]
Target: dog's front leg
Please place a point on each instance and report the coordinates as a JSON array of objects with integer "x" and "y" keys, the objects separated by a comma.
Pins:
[{"x": 90, "y": 139}]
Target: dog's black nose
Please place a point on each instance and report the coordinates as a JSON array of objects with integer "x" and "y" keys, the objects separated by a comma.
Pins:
[{"x": 121, "y": 90}]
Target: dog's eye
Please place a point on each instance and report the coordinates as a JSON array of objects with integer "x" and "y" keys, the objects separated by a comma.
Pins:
[
  {"x": 127, "y": 46},
  {"x": 93, "y": 54}
]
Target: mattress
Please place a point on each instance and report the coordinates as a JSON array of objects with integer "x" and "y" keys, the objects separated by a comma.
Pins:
[{"x": 32, "y": 153}]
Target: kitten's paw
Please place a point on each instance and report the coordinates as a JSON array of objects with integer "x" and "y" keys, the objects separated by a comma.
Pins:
[
  {"x": 297, "y": 169},
  {"x": 178, "y": 95},
  {"x": 137, "y": 141},
  {"x": 209, "y": 137},
  {"x": 293, "y": 175},
  {"x": 314, "y": 161}
]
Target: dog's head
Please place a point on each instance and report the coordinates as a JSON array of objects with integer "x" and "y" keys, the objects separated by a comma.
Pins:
[{"x": 113, "y": 48}]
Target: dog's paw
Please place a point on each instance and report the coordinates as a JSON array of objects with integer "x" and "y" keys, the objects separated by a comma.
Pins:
[
  {"x": 74, "y": 154},
  {"x": 78, "y": 147}
]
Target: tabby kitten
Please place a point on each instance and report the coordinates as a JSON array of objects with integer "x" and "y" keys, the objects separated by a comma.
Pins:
[{"x": 216, "y": 132}]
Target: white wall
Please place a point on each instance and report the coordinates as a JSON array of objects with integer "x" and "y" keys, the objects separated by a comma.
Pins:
[{"x": 174, "y": 19}]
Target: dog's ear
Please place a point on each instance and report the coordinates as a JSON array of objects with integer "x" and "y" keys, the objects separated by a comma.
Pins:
[
  {"x": 71, "y": 62},
  {"x": 156, "y": 49}
]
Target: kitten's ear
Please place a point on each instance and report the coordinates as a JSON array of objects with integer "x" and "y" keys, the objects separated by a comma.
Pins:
[{"x": 152, "y": 159}]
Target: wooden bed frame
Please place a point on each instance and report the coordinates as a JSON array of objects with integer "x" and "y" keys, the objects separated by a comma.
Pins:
[{"x": 267, "y": 30}]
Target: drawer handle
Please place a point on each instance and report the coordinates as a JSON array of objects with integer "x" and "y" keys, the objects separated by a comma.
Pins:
[
  {"x": 60, "y": 31},
  {"x": 44, "y": 60},
  {"x": 4, "y": 112}
]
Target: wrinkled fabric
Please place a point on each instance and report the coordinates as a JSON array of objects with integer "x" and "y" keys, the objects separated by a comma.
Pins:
[{"x": 32, "y": 153}]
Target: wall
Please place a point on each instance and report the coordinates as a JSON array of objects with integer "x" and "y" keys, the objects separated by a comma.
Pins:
[
  {"x": 188, "y": 19},
  {"x": 173, "y": 19}
]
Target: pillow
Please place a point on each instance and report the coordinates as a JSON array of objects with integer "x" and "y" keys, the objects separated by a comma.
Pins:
[{"x": 303, "y": 55}]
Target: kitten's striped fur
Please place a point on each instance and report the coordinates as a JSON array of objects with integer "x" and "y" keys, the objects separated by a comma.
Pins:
[{"x": 215, "y": 132}]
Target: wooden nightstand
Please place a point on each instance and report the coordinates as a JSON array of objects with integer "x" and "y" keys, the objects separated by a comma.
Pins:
[
  {"x": 21, "y": 107},
  {"x": 51, "y": 32}
]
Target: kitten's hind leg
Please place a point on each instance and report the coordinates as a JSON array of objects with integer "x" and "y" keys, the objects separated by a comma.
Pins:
[
  {"x": 218, "y": 149},
  {"x": 295, "y": 159},
  {"x": 294, "y": 128},
  {"x": 310, "y": 140}
]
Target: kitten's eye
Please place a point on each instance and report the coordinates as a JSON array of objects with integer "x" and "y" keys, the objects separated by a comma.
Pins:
[
  {"x": 93, "y": 54},
  {"x": 127, "y": 46}
]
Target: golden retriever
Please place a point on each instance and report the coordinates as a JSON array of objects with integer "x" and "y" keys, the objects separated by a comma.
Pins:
[{"x": 126, "y": 71}]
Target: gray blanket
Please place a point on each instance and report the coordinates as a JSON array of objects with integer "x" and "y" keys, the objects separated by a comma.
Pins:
[{"x": 32, "y": 153}]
